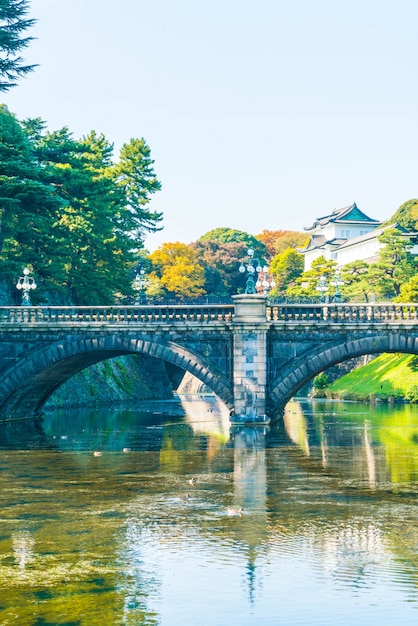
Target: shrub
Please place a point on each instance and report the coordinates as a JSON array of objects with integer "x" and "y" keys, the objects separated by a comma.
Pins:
[
  {"x": 412, "y": 394},
  {"x": 321, "y": 381}
]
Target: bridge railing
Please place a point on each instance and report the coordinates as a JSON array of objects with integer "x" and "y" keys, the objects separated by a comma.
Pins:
[
  {"x": 170, "y": 314},
  {"x": 343, "y": 313},
  {"x": 116, "y": 314}
]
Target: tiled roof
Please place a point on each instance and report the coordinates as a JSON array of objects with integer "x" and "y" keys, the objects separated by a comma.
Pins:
[
  {"x": 319, "y": 241},
  {"x": 347, "y": 214}
]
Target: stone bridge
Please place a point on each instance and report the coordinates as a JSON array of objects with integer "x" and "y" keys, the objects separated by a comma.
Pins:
[{"x": 253, "y": 355}]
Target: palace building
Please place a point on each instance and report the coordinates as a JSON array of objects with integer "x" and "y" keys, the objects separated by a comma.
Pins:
[{"x": 345, "y": 235}]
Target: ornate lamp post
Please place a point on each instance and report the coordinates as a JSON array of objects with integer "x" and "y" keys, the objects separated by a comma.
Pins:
[
  {"x": 251, "y": 283},
  {"x": 25, "y": 284},
  {"x": 265, "y": 281},
  {"x": 337, "y": 282},
  {"x": 141, "y": 282},
  {"x": 322, "y": 287}
]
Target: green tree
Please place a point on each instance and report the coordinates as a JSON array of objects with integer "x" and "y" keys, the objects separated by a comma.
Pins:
[
  {"x": 286, "y": 267},
  {"x": 29, "y": 205},
  {"x": 319, "y": 385},
  {"x": 406, "y": 216},
  {"x": 221, "y": 263},
  {"x": 321, "y": 381},
  {"x": 100, "y": 253},
  {"x": 409, "y": 291},
  {"x": 412, "y": 394},
  {"x": 85, "y": 267},
  {"x": 308, "y": 284},
  {"x": 69, "y": 211},
  {"x": 231, "y": 235},
  {"x": 13, "y": 24},
  {"x": 358, "y": 283},
  {"x": 221, "y": 251},
  {"x": 396, "y": 264},
  {"x": 135, "y": 177},
  {"x": 105, "y": 217}
]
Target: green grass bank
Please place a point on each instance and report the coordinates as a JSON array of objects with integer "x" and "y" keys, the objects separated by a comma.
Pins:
[{"x": 389, "y": 377}]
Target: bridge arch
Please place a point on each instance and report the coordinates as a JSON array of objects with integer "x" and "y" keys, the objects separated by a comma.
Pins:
[
  {"x": 26, "y": 386},
  {"x": 304, "y": 367}
]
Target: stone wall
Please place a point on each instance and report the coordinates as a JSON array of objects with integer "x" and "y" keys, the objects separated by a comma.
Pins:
[{"x": 121, "y": 379}]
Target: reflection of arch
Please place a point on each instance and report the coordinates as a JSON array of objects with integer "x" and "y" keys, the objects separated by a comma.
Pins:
[
  {"x": 303, "y": 368},
  {"x": 26, "y": 386}
]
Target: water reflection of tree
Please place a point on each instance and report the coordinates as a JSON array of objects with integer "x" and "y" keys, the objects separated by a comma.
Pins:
[
  {"x": 368, "y": 444},
  {"x": 312, "y": 498},
  {"x": 370, "y": 454}
]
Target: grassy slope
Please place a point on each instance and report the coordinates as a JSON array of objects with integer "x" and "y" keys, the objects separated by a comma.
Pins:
[{"x": 386, "y": 376}]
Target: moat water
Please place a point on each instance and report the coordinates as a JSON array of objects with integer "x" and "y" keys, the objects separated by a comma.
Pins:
[{"x": 102, "y": 524}]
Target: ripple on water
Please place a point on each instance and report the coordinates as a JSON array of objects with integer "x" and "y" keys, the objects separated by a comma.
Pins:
[{"x": 115, "y": 539}]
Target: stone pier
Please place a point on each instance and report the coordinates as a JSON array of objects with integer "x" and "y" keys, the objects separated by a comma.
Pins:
[{"x": 250, "y": 354}]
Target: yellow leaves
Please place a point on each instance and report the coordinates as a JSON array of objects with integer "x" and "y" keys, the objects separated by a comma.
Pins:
[
  {"x": 177, "y": 266},
  {"x": 73, "y": 221},
  {"x": 184, "y": 279}
]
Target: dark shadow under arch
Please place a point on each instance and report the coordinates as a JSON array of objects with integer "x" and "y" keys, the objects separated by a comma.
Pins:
[
  {"x": 28, "y": 384},
  {"x": 305, "y": 367}
]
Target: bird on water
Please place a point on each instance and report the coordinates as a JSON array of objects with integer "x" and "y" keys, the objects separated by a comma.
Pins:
[{"x": 232, "y": 512}]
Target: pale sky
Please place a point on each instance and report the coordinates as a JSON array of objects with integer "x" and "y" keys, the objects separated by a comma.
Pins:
[{"x": 260, "y": 114}]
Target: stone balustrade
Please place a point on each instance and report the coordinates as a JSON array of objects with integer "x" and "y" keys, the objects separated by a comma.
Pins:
[
  {"x": 116, "y": 314},
  {"x": 343, "y": 313},
  {"x": 174, "y": 314}
]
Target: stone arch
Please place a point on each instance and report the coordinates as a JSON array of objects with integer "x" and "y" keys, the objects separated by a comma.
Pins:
[
  {"x": 303, "y": 368},
  {"x": 26, "y": 386}
]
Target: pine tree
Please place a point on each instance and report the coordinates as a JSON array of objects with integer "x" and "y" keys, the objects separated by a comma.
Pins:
[
  {"x": 65, "y": 213},
  {"x": 92, "y": 259},
  {"x": 136, "y": 180},
  {"x": 13, "y": 24},
  {"x": 28, "y": 204}
]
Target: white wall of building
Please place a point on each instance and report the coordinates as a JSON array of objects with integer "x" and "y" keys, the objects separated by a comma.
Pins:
[{"x": 361, "y": 251}]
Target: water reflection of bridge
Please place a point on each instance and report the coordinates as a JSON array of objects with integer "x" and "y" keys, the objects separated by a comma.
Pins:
[{"x": 302, "y": 496}]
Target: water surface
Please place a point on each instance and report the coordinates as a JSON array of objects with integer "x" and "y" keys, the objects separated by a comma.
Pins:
[{"x": 328, "y": 532}]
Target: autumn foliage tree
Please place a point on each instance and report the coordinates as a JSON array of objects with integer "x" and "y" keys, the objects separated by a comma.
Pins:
[
  {"x": 176, "y": 268},
  {"x": 220, "y": 252},
  {"x": 277, "y": 241}
]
